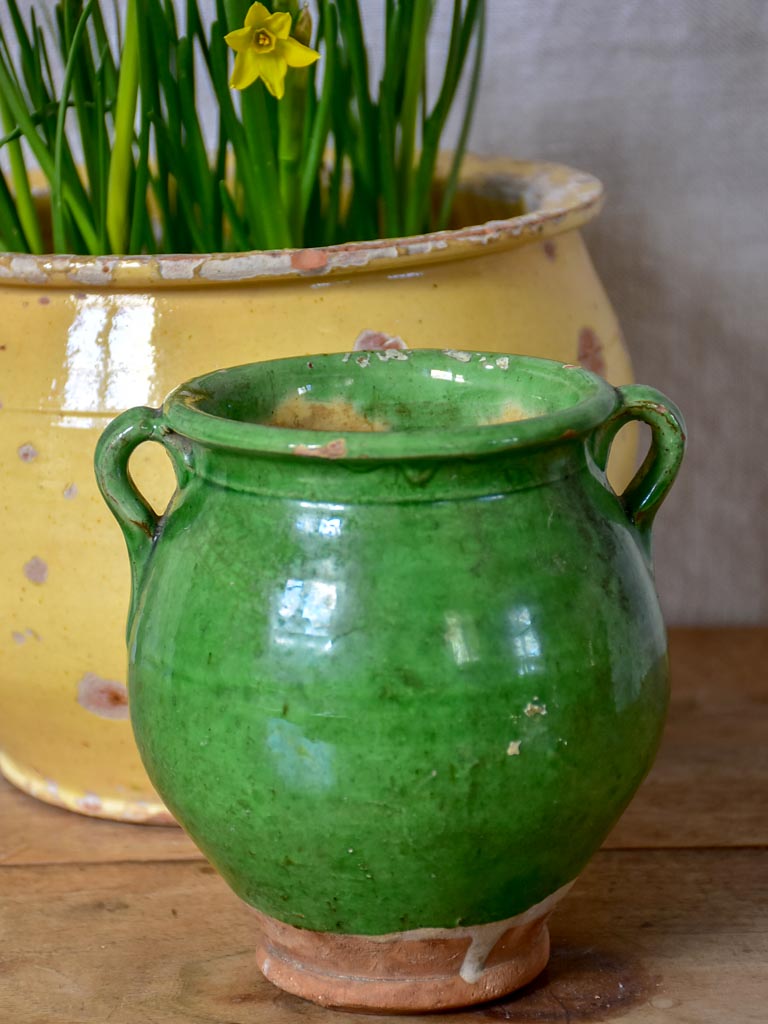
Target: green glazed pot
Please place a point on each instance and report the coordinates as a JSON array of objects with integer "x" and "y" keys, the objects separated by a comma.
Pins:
[{"x": 397, "y": 662}]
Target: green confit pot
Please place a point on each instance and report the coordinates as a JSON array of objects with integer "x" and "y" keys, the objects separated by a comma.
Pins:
[{"x": 397, "y": 663}]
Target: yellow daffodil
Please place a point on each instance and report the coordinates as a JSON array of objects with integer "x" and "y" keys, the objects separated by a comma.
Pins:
[{"x": 265, "y": 49}]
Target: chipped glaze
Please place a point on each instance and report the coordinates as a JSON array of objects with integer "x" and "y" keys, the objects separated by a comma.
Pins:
[
  {"x": 104, "y": 697},
  {"x": 559, "y": 199},
  {"x": 379, "y": 686},
  {"x": 83, "y": 801},
  {"x": 27, "y": 452},
  {"x": 82, "y": 339},
  {"x": 336, "y": 449},
  {"x": 36, "y": 571},
  {"x": 377, "y": 341}
]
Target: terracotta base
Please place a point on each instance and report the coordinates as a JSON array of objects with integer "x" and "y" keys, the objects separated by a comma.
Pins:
[
  {"x": 408, "y": 972},
  {"x": 94, "y": 805}
]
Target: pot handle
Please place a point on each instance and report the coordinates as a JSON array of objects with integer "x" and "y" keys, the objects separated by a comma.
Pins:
[
  {"x": 135, "y": 516},
  {"x": 650, "y": 485}
]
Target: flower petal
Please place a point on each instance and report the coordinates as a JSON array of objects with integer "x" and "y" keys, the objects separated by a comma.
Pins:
[
  {"x": 296, "y": 54},
  {"x": 240, "y": 39},
  {"x": 279, "y": 24},
  {"x": 273, "y": 70},
  {"x": 257, "y": 16},
  {"x": 248, "y": 67}
]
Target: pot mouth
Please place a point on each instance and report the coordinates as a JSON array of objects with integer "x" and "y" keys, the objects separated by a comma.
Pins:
[
  {"x": 391, "y": 405},
  {"x": 553, "y": 198}
]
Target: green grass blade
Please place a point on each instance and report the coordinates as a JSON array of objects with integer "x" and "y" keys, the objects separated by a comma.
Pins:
[
  {"x": 234, "y": 221},
  {"x": 414, "y": 78},
  {"x": 353, "y": 40},
  {"x": 197, "y": 163},
  {"x": 49, "y": 110},
  {"x": 57, "y": 190},
  {"x": 25, "y": 204},
  {"x": 121, "y": 165},
  {"x": 83, "y": 93},
  {"x": 41, "y": 152},
  {"x": 139, "y": 218},
  {"x": 26, "y": 51},
  {"x": 104, "y": 48},
  {"x": 463, "y": 29},
  {"x": 11, "y": 231},
  {"x": 451, "y": 183},
  {"x": 101, "y": 146},
  {"x": 321, "y": 122}
]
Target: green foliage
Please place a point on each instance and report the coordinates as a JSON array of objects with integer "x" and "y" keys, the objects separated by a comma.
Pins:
[{"x": 333, "y": 161}]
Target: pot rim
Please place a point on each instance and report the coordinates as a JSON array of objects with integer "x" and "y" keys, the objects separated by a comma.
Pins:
[
  {"x": 596, "y": 400},
  {"x": 558, "y": 198}
]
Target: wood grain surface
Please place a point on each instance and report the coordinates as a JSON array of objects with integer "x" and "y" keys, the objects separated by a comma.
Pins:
[{"x": 126, "y": 924}]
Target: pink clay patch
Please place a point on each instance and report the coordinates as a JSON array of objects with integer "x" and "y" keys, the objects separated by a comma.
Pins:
[
  {"x": 590, "y": 351},
  {"x": 27, "y": 452},
  {"x": 21, "y": 638},
  {"x": 36, "y": 571},
  {"x": 378, "y": 341},
  {"x": 309, "y": 259},
  {"x": 333, "y": 450},
  {"x": 103, "y": 697},
  {"x": 90, "y": 803}
]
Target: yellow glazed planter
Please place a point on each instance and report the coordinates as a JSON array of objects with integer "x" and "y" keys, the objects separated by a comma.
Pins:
[{"x": 83, "y": 339}]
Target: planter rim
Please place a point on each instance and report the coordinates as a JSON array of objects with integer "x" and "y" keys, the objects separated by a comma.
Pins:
[
  {"x": 590, "y": 400},
  {"x": 558, "y": 198}
]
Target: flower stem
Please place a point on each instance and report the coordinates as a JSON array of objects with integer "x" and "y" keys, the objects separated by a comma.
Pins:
[
  {"x": 58, "y": 199},
  {"x": 414, "y": 78},
  {"x": 42, "y": 154},
  {"x": 451, "y": 182},
  {"x": 25, "y": 204},
  {"x": 11, "y": 233},
  {"x": 260, "y": 150},
  {"x": 121, "y": 165},
  {"x": 290, "y": 115},
  {"x": 313, "y": 154}
]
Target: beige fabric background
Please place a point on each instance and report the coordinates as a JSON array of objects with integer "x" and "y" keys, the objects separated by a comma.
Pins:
[{"x": 667, "y": 102}]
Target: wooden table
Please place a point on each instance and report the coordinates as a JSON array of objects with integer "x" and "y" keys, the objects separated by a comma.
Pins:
[{"x": 122, "y": 924}]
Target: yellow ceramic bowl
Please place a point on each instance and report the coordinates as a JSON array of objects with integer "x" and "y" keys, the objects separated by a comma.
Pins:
[{"x": 84, "y": 338}]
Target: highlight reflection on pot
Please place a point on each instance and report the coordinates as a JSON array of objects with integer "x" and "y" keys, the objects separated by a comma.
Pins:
[{"x": 110, "y": 357}]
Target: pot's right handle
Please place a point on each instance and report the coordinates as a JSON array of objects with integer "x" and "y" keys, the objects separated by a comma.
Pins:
[
  {"x": 650, "y": 485},
  {"x": 135, "y": 516}
]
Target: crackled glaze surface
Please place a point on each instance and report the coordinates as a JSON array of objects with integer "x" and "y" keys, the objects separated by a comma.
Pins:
[
  {"x": 396, "y": 679},
  {"x": 83, "y": 339}
]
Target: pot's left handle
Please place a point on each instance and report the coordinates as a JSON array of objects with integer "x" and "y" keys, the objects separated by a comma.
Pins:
[{"x": 135, "y": 516}]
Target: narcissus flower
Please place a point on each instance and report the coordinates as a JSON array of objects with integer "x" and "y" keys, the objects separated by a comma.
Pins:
[{"x": 265, "y": 49}]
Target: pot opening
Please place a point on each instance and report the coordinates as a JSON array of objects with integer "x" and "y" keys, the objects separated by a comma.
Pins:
[
  {"x": 495, "y": 197},
  {"x": 297, "y": 412},
  {"x": 424, "y": 394}
]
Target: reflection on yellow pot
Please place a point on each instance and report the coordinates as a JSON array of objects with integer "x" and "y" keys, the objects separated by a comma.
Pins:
[{"x": 83, "y": 339}]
